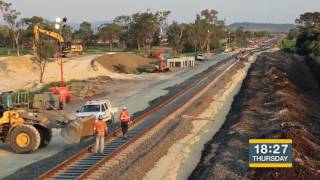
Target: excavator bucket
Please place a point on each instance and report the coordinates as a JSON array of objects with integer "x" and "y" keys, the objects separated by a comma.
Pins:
[{"x": 78, "y": 130}]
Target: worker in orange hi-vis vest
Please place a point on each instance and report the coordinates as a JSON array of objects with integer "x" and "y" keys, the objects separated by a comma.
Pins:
[
  {"x": 101, "y": 130},
  {"x": 124, "y": 120}
]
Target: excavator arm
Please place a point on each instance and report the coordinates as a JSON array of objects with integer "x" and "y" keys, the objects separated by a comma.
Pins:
[
  {"x": 52, "y": 34},
  {"x": 37, "y": 31}
]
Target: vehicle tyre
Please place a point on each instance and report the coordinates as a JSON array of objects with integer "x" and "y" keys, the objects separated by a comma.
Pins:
[
  {"x": 25, "y": 139},
  {"x": 110, "y": 122},
  {"x": 112, "y": 119},
  {"x": 46, "y": 136}
]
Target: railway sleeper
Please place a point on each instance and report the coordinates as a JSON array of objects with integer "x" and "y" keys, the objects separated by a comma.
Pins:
[{"x": 65, "y": 177}]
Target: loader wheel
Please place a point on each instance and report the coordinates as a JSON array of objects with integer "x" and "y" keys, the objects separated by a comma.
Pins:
[
  {"x": 25, "y": 139},
  {"x": 46, "y": 136}
]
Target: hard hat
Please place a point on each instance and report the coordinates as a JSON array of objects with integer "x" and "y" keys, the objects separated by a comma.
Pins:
[
  {"x": 100, "y": 117},
  {"x": 124, "y": 108}
]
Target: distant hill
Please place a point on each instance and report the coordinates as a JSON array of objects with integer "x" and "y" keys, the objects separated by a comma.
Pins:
[
  {"x": 94, "y": 24},
  {"x": 262, "y": 26}
]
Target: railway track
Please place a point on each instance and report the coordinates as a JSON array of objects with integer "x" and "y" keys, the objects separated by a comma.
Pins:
[{"x": 84, "y": 163}]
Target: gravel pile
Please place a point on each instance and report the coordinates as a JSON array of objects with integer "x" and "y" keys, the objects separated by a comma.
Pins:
[
  {"x": 85, "y": 89},
  {"x": 88, "y": 88}
]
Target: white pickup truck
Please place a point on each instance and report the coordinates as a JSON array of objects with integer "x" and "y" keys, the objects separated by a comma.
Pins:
[{"x": 98, "y": 108}]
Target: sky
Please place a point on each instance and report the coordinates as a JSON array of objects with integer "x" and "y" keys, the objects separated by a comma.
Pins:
[{"x": 261, "y": 11}]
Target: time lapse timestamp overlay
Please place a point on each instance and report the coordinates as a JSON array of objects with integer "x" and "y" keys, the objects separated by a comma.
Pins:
[{"x": 270, "y": 153}]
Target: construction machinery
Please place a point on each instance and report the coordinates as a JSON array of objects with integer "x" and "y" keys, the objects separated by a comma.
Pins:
[
  {"x": 163, "y": 67},
  {"x": 62, "y": 91},
  {"x": 27, "y": 126},
  {"x": 241, "y": 54},
  {"x": 71, "y": 49},
  {"x": 152, "y": 68},
  {"x": 67, "y": 48}
]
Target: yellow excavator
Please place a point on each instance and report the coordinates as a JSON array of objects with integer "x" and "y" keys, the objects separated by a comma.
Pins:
[
  {"x": 68, "y": 49},
  {"x": 27, "y": 126}
]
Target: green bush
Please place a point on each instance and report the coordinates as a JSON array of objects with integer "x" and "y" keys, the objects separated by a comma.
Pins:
[
  {"x": 286, "y": 44},
  {"x": 13, "y": 52},
  {"x": 308, "y": 42},
  {"x": 46, "y": 87}
]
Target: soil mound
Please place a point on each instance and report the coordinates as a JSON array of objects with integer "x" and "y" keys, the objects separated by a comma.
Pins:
[
  {"x": 279, "y": 99},
  {"x": 88, "y": 88},
  {"x": 122, "y": 62},
  {"x": 22, "y": 65}
]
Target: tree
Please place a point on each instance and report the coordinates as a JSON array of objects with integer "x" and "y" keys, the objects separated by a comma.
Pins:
[
  {"x": 205, "y": 22},
  {"x": 4, "y": 36},
  {"x": 309, "y": 19},
  {"x": 241, "y": 37},
  {"x": 192, "y": 36},
  {"x": 175, "y": 35},
  {"x": 293, "y": 33},
  {"x": 308, "y": 42},
  {"x": 32, "y": 21},
  {"x": 205, "y": 32},
  {"x": 124, "y": 22},
  {"x": 27, "y": 36},
  {"x": 85, "y": 33},
  {"x": 45, "y": 50},
  {"x": 45, "y": 47},
  {"x": 67, "y": 33},
  {"x": 144, "y": 25},
  {"x": 110, "y": 32},
  {"x": 10, "y": 16},
  {"x": 307, "y": 34}
]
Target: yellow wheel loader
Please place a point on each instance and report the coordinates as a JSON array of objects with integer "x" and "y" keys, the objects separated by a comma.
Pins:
[{"x": 26, "y": 129}]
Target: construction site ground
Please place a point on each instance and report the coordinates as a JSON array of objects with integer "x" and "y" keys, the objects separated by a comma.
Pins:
[{"x": 133, "y": 91}]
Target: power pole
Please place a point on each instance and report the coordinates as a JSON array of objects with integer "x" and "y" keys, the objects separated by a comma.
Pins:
[{"x": 228, "y": 44}]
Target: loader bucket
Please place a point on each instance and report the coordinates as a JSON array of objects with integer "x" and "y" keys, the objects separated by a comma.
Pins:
[{"x": 78, "y": 130}]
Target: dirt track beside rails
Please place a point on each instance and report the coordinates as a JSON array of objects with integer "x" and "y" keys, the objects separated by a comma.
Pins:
[{"x": 279, "y": 99}]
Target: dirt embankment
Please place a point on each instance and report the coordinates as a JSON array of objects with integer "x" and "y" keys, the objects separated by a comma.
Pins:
[
  {"x": 21, "y": 73},
  {"x": 18, "y": 67},
  {"x": 278, "y": 99},
  {"x": 122, "y": 62}
]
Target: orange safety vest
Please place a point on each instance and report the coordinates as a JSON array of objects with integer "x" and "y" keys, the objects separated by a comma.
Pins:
[
  {"x": 100, "y": 126},
  {"x": 124, "y": 117}
]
